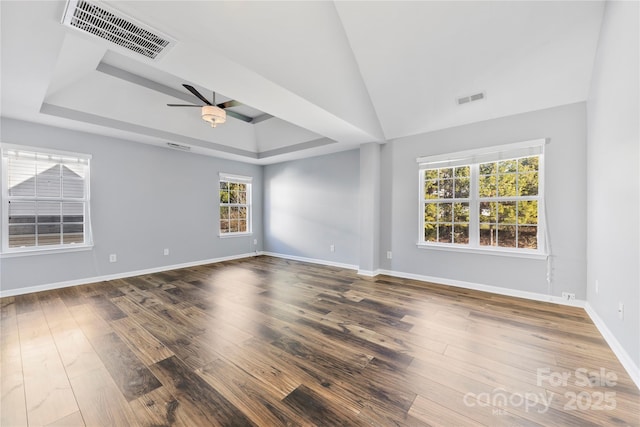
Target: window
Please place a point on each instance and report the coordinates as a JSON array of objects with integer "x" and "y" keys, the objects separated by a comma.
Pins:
[
  {"x": 235, "y": 205},
  {"x": 45, "y": 199},
  {"x": 489, "y": 199}
]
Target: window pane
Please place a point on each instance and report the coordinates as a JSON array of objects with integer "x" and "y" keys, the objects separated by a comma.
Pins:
[
  {"x": 224, "y": 185},
  {"x": 463, "y": 172},
  {"x": 444, "y": 233},
  {"x": 461, "y": 212},
  {"x": 507, "y": 236},
  {"x": 528, "y": 184},
  {"x": 507, "y": 166},
  {"x": 488, "y": 235},
  {"x": 242, "y": 213},
  {"x": 22, "y": 235},
  {"x": 234, "y": 196},
  {"x": 72, "y": 212},
  {"x": 507, "y": 185},
  {"x": 21, "y": 174},
  {"x": 73, "y": 170},
  {"x": 242, "y": 226},
  {"x": 446, "y": 189},
  {"x": 445, "y": 213},
  {"x": 242, "y": 197},
  {"x": 224, "y": 225},
  {"x": 49, "y": 234},
  {"x": 233, "y": 212},
  {"x": 22, "y": 212},
  {"x": 528, "y": 212},
  {"x": 73, "y": 233},
  {"x": 488, "y": 168},
  {"x": 431, "y": 174},
  {"x": 73, "y": 188},
  {"x": 461, "y": 233},
  {"x": 49, "y": 212},
  {"x": 224, "y": 196},
  {"x": 528, "y": 164},
  {"x": 233, "y": 226},
  {"x": 507, "y": 213},
  {"x": 431, "y": 189},
  {"x": 527, "y": 237},
  {"x": 488, "y": 212},
  {"x": 487, "y": 186},
  {"x": 430, "y": 212},
  {"x": 462, "y": 188},
  {"x": 48, "y": 180},
  {"x": 445, "y": 173},
  {"x": 224, "y": 212},
  {"x": 430, "y": 232}
]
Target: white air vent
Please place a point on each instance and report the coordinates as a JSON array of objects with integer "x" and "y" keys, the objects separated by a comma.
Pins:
[
  {"x": 178, "y": 146},
  {"x": 470, "y": 98},
  {"x": 115, "y": 27}
]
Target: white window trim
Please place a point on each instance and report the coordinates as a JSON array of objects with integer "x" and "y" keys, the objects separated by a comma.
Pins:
[
  {"x": 5, "y": 251},
  {"x": 474, "y": 158},
  {"x": 244, "y": 180}
]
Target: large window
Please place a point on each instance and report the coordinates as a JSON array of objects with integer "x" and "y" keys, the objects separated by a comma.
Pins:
[
  {"x": 235, "y": 205},
  {"x": 45, "y": 199},
  {"x": 486, "y": 199}
]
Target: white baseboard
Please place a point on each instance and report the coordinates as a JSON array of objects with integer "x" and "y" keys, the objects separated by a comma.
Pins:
[
  {"x": 625, "y": 359},
  {"x": 485, "y": 288},
  {"x": 87, "y": 280},
  {"x": 311, "y": 260}
]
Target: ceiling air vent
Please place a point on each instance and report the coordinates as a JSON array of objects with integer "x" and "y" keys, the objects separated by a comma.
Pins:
[
  {"x": 115, "y": 27},
  {"x": 178, "y": 146},
  {"x": 470, "y": 98}
]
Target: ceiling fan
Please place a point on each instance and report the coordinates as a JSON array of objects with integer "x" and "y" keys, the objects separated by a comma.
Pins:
[{"x": 212, "y": 113}]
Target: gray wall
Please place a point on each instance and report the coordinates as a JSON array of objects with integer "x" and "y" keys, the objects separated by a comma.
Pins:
[
  {"x": 311, "y": 204},
  {"x": 143, "y": 199},
  {"x": 613, "y": 182},
  {"x": 565, "y": 199}
]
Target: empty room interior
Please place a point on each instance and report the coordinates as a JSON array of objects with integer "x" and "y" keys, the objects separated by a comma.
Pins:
[{"x": 320, "y": 213}]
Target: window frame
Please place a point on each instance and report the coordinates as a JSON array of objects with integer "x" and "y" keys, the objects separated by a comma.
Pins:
[
  {"x": 474, "y": 158},
  {"x": 5, "y": 250},
  {"x": 237, "y": 179}
]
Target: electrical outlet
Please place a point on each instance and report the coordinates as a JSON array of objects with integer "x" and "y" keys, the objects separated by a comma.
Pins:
[
  {"x": 255, "y": 241},
  {"x": 621, "y": 310},
  {"x": 166, "y": 251},
  {"x": 389, "y": 255},
  {"x": 332, "y": 248},
  {"x": 113, "y": 258},
  {"x": 568, "y": 296}
]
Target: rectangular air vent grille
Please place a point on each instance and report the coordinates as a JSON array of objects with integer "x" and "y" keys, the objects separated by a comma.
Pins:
[
  {"x": 470, "y": 98},
  {"x": 121, "y": 30}
]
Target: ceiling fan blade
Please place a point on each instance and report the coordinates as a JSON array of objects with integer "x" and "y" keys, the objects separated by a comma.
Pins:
[
  {"x": 184, "y": 105},
  {"x": 196, "y": 93},
  {"x": 239, "y": 116},
  {"x": 229, "y": 103}
]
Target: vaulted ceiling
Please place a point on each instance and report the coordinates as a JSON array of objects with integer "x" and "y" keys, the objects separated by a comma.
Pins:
[{"x": 315, "y": 76}]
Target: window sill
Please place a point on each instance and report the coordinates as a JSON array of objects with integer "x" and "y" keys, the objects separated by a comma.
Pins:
[
  {"x": 45, "y": 251},
  {"x": 229, "y": 235},
  {"x": 485, "y": 251}
]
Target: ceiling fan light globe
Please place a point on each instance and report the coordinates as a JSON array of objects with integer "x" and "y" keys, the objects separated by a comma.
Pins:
[{"x": 213, "y": 115}]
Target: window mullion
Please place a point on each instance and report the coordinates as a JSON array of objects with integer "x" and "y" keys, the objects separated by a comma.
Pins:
[{"x": 474, "y": 208}]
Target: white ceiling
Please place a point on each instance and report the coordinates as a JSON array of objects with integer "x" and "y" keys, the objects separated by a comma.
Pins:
[{"x": 320, "y": 76}]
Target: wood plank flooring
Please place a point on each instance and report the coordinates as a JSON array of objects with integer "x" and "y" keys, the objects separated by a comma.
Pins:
[{"x": 269, "y": 342}]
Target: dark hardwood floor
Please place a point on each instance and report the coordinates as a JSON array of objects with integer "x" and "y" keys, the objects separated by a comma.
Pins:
[{"x": 270, "y": 342}]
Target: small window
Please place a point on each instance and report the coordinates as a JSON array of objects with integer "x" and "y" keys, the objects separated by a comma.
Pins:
[
  {"x": 235, "y": 205},
  {"x": 484, "y": 199},
  {"x": 45, "y": 196}
]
